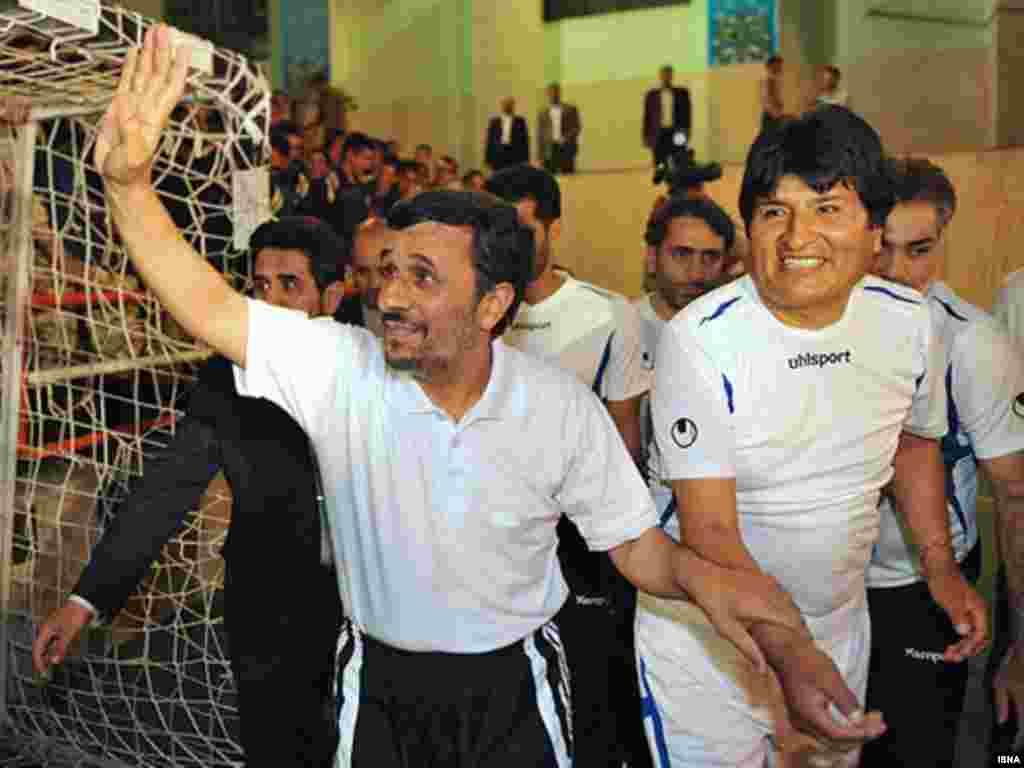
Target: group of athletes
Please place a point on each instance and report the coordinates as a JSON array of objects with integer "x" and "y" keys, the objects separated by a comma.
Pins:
[{"x": 729, "y": 524}]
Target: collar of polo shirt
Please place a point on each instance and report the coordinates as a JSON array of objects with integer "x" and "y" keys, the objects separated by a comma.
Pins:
[{"x": 405, "y": 393}]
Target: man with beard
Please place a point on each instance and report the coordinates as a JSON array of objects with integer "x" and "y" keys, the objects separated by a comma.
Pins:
[
  {"x": 689, "y": 250},
  {"x": 372, "y": 239},
  {"x": 442, "y": 515},
  {"x": 280, "y": 650},
  {"x": 596, "y": 335}
]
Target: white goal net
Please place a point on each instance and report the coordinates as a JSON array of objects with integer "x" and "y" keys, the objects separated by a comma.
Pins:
[{"x": 92, "y": 372}]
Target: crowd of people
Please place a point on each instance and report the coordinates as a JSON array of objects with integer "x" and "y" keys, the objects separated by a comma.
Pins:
[{"x": 731, "y": 518}]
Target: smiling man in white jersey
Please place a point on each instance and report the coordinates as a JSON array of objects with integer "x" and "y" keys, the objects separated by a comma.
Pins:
[
  {"x": 596, "y": 335},
  {"x": 781, "y": 403},
  {"x": 910, "y": 679}
]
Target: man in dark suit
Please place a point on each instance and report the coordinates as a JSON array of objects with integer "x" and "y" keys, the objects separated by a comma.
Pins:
[
  {"x": 558, "y": 131},
  {"x": 666, "y": 116},
  {"x": 508, "y": 139},
  {"x": 282, "y": 609}
]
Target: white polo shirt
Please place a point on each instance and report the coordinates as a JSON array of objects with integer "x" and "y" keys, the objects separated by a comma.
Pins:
[
  {"x": 806, "y": 421},
  {"x": 984, "y": 378},
  {"x": 444, "y": 532},
  {"x": 593, "y": 333},
  {"x": 1009, "y": 308}
]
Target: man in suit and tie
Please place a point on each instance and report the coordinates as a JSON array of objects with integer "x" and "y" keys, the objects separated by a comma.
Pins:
[
  {"x": 508, "y": 139},
  {"x": 666, "y": 114},
  {"x": 558, "y": 131}
]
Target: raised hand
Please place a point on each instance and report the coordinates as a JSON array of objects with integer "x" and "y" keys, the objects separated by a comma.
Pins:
[
  {"x": 966, "y": 610},
  {"x": 152, "y": 83},
  {"x": 14, "y": 110}
]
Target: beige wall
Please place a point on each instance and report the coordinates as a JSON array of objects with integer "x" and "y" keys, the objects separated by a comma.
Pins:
[{"x": 604, "y": 215}]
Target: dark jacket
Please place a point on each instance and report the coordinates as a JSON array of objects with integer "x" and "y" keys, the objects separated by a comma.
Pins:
[
  {"x": 517, "y": 151},
  {"x": 652, "y": 114}
]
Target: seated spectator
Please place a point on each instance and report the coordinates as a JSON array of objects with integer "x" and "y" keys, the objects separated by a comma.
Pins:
[
  {"x": 828, "y": 87},
  {"x": 447, "y": 176},
  {"x": 357, "y": 159},
  {"x": 474, "y": 180},
  {"x": 409, "y": 181},
  {"x": 385, "y": 192}
]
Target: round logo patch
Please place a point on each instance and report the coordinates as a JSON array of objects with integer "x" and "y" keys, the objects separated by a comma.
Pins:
[
  {"x": 684, "y": 433},
  {"x": 1018, "y": 405}
]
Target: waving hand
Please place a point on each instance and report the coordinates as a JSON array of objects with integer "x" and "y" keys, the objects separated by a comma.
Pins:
[{"x": 152, "y": 83}]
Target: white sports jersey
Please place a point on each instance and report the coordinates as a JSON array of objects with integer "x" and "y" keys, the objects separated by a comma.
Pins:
[
  {"x": 594, "y": 333},
  {"x": 652, "y": 325},
  {"x": 806, "y": 421},
  {"x": 444, "y": 532},
  {"x": 984, "y": 382},
  {"x": 1009, "y": 308}
]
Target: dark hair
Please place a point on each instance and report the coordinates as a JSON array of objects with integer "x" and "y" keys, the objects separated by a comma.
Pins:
[
  {"x": 834, "y": 71},
  {"x": 703, "y": 208},
  {"x": 916, "y": 179},
  {"x": 390, "y": 160},
  {"x": 666, "y": 68},
  {"x": 333, "y": 136},
  {"x": 328, "y": 253},
  {"x": 524, "y": 182},
  {"x": 502, "y": 247},
  {"x": 427, "y": 147},
  {"x": 825, "y": 147},
  {"x": 773, "y": 61},
  {"x": 288, "y": 128},
  {"x": 357, "y": 142},
  {"x": 279, "y": 141},
  {"x": 404, "y": 166},
  {"x": 470, "y": 174}
]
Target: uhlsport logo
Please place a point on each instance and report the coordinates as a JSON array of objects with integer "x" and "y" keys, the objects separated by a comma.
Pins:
[
  {"x": 1018, "y": 405},
  {"x": 684, "y": 432},
  {"x": 819, "y": 359}
]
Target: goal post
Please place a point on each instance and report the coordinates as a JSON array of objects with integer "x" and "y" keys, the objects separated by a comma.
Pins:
[{"x": 92, "y": 375}]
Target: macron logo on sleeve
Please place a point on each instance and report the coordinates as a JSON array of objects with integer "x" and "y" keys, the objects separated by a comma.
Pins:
[{"x": 819, "y": 359}]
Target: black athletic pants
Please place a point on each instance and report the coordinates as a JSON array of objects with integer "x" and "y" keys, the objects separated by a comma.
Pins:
[
  {"x": 508, "y": 708},
  {"x": 921, "y": 697},
  {"x": 282, "y": 633}
]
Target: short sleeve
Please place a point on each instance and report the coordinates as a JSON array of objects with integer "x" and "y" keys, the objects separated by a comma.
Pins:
[
  {"x": 690, "y": 410},
  {"x": 988, "y": 390},
  {"x": 295, "y": 361},
  {"x": 603, "y": 493},
  {"x": 629, "y": 373},
  {"x": 927, "y": 417}
]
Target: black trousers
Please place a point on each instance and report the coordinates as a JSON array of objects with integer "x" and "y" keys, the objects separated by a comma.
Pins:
[
  {"x": 665, "y": 145},
  {"x": 596, "y": 625},
  {"x": 508, "y": 708},
  {"x": 281, "y": 648},
  {"x": 561, "y": 158},
  {"x": 921, "y": 697},
  {"x": 1002, "y": 736}
]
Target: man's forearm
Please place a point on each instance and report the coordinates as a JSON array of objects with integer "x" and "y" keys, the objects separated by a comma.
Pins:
[
  {"x": 1010, "y": 524},
  {"x": 194, "y": 293},
  {"x": 919, "y": 491}
]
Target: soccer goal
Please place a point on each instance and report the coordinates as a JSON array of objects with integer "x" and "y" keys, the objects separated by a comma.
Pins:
[{"x": 92, "y": 372}]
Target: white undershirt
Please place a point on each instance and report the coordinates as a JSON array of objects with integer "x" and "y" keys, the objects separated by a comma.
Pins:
[
  {"x": 506, "y": 129},
  {"x": 556, "y": 123},
  {"x": 667, "y": 112}
]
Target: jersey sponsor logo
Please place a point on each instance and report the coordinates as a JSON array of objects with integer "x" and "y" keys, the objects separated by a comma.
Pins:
[
  {"x": 932, "y": 656},
  {"x": 1018, "y": 405},
  {"x": 819, "y": 359},
  {"x": 684, "y": 433},
  {"x": 531, "y": 326}
]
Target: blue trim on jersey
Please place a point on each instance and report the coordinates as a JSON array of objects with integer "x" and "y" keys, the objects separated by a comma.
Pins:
[
  {"x": 950, "y": 309},
  {"x": 603, "y": 365},
  {"x": 953, "y": 452},
  {"x": 670, "y": 509},
  {"x": 649, "y": 709},
  {"x": 728, "y": 393},
  {"x": 891, "y": 293},
  {"x": 719, "y": 311}
]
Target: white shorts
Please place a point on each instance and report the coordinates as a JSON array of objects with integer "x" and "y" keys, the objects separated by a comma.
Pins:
[{"x": 705, "y": 705}]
